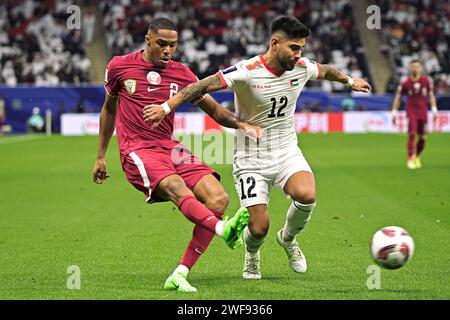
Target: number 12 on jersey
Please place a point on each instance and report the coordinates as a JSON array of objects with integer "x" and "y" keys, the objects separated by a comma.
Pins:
[
  {"x": 283, "y": 104},
  {"x": 251, "y": 183}
]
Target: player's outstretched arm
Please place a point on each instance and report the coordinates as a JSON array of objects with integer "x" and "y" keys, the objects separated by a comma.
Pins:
[
  {"x": 227, "y": 119},
  {"x": 190, "y": 93},
  {"x": 107, "y": 126},
  {"x": 328, "y": 72}
]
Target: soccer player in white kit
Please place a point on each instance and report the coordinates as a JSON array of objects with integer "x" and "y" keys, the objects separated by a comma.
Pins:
[{"x": 266, "y": 91}]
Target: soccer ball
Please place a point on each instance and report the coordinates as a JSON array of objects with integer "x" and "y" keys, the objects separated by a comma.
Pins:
[{"x": 392, "y": 247}]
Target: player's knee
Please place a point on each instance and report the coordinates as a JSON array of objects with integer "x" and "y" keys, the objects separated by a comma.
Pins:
[
  {"x": 218, "y": 201},
  {"x": 175, "y": 189},
  {"x": 423, "y": 137},
  {"x": 306, "y": 196},
  {"x": 259, "y": 229}
]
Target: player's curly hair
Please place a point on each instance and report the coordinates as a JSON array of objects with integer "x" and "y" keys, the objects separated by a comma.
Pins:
[
  {"x": 161, "y": 23},
  {"x": 290, "y": 26}
]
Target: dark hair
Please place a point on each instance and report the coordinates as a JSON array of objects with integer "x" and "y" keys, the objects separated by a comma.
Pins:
[
  {"x": 161, "y": 23},
  {"x": 290, "y": 26},
  {"x": 415, "y": 61}
]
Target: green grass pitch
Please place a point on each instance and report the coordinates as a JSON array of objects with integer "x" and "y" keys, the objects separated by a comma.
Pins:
[{"x": 53, "y": 216}]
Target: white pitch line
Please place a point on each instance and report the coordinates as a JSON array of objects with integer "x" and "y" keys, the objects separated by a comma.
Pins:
[{"x": 21, "y": 139}]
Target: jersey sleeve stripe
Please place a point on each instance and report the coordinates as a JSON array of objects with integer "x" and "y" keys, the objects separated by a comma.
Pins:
[
  {"x": 318, "y": 71},
  {"x": 222, "y": 80}
]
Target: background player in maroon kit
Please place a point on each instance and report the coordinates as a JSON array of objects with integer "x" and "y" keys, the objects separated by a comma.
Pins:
[
  {"x": 153, "y": 161},
  {"x": 417, "y": 88}
]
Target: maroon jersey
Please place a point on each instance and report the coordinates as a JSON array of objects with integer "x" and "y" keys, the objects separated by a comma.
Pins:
[
  {"x": 138, "y": 83},
  {"x": 417, "y": 93}
]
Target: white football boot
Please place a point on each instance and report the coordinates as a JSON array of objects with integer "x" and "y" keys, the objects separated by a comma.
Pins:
[
  {"x": 296, "y": 258},
  {"x": 251, "y": 266}
]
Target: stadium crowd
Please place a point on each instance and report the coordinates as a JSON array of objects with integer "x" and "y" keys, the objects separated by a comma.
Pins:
[
  {"x": 36, "y": 46},
  {"x": 215, "y": 34},
  {"x": 418, "y": 29}
]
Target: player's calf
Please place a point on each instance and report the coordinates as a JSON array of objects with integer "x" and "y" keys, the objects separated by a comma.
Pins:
[{"x": 298, "y": 215}]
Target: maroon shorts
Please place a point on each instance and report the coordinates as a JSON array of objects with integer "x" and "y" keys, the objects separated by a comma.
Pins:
[
  {"x": 417, "y": 125},
  {"x": 145, "y": 168}
]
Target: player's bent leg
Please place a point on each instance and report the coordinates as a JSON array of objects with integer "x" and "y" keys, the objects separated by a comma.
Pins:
[
  {"x": 301, "y": 188},
  {"x": 211, "y": 193},
  {"x": 174, "y": 189},
  {"x": 254, "y": 236}
]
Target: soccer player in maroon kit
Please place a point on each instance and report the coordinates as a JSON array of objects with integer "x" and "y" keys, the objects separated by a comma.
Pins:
[
  {"x": 418, "y": 88},
  {"x": 153, "y": 161}
]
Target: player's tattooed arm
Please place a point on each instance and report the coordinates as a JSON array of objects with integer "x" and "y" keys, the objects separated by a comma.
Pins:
[
  {"x": 190, "y": 93},
  {"x": 228, "y": 119},
  {"x": 196, "y": 90},
  {"x": 328, "y": 72}
]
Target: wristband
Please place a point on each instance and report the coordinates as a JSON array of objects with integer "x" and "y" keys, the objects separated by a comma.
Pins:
[
  {"x": 434, "y": 109},
  {"x": 166, "y": 107},
  {"x": 350, "y": 82}
]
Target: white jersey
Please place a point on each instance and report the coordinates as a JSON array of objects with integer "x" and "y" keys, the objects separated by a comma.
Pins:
[{"x": 267, "y": 100}]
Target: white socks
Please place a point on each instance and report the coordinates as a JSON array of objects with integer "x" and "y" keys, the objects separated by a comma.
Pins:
[
  {"x": 182, "y": 269},
  {"x": 297, "y": 216},
  {"x": 220, "y": 228},
  {"x": 251, "y": 242}
]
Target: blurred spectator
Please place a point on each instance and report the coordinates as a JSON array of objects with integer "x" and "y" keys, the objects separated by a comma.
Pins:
[
  {"x": 79, "y": 108},
  {"x": 417, "y": 29},
  {"x": 361, "y": 107},
  {"x": 217, "y": 33},
  {"x": 35, "y": 122},
  {"x": 2, "y": 114},
  {"x": 88, "y": 26},
  {"x": 348, "y": 104},
  {"x": 37, "y": 48}
]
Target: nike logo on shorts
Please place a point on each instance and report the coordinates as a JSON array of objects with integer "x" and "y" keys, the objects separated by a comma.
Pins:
[{"x": 154, "y": 89}]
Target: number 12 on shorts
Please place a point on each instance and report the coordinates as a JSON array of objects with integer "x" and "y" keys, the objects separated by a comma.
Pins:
[{"x": 250, "y": 185}]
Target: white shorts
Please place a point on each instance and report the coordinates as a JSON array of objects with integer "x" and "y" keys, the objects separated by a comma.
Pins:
[{"x": 254, "y": 178}]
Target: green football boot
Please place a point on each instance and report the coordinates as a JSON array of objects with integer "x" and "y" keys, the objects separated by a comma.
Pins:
[
  {"x": 234, "y": 226},
  {"x": 178, "y": 282}
]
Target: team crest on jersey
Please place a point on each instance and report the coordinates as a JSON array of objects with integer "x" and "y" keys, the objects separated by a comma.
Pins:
[
  {"x": 295, "y": 82},
  {"x": 153, "y": 78},
  {"x": 130, "y": 85}
]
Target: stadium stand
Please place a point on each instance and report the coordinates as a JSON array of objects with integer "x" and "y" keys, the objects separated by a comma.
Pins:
[
  {"x": 417, "y": 29},
  {"x": 37, "y": 48},
  {"x": 215, "y": 34}
]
